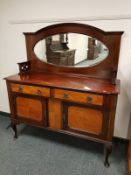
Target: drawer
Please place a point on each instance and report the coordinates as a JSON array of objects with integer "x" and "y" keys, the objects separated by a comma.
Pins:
[
  {"x": 79, "y": 97},
  {"x": 32, "y": 90}
]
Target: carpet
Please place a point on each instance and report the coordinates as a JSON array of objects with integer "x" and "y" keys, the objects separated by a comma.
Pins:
[{"x": 41, "y": 152}]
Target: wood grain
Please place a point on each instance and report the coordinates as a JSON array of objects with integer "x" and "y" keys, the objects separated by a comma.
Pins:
[
  {"x": 55, "y": 113},
  {"x": 85, "y": 119},
  {"x": 34, "y": 90},
  {"x": 29, "y": 108},
  {"x": 72, "y": 82},
  {"x": 78, "y": 97}
]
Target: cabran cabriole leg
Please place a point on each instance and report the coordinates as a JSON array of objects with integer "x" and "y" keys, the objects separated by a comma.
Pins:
[
  {"x": 108, "y": 150},
  {"x": 13, "y": 125}
]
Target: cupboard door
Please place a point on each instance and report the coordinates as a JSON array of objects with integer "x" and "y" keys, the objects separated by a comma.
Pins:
[
  {"x": 32, "y": 109},
  {"x": 84, "y": 120}
]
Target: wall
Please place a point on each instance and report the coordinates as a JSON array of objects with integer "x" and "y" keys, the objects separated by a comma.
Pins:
[
  {"x": 75, "y": 41},
  {"x": 25, "y": 16}
]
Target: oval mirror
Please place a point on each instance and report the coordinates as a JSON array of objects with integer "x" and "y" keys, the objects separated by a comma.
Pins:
[{"x": 71, "y": 49}]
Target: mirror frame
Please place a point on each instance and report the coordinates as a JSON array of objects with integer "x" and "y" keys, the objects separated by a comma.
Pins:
[
  {"x": 49, "y": 50},
  {"x": 107, "y": 69}
]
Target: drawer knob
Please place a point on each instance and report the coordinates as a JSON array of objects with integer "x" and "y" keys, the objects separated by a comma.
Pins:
[
  {"x": 89, "y": 99},
  {"x": 65, "y": 96},
  {"x": 39, "y": 92},
  {"x": 20, "y": 88}
]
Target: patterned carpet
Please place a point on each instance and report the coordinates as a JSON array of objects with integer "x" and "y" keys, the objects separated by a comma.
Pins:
[{"x": 39, "y": 152}]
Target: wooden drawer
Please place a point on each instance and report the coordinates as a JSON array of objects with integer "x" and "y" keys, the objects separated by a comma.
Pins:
[
  {"x": 78, "y": 97},
  {"x": 32, "y": 90}
]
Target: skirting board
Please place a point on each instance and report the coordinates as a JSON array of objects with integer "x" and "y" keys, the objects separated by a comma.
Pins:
[
  {"x": 5, "y": 114},
  {"x": 129, "y": 158}
]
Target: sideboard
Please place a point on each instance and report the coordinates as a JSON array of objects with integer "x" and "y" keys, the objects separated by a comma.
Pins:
[{"x": 75, "y": 100}]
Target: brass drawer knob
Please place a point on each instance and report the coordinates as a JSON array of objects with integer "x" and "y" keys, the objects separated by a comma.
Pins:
[
  {"x": 39, "y": 92},
  {"x": 89, "y": 99},
  {"x": 65, "y": 96},
  {"x": 20, "y": 89}
]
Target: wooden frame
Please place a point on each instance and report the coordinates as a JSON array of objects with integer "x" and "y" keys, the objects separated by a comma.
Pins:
[{"x": 107, "y": 69}]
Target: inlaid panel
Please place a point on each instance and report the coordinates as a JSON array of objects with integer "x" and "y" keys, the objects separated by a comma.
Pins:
[
  {"x": 85, "y": 119},
  {"x": 54, "y": 109},
  {"x": 29, "y": 108}
]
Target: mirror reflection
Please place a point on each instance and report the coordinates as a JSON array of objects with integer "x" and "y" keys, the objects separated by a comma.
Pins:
[{"x": 71, "y": 49}]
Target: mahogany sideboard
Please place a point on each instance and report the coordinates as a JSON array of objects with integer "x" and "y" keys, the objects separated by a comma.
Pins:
[{"x": 78, "y": 101}]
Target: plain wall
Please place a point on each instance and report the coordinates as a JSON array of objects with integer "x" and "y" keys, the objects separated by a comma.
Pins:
[{"x": 27, "y": 16}]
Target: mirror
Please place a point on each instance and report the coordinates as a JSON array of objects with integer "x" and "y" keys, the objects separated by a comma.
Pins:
[{"x": 71, "y": 49}]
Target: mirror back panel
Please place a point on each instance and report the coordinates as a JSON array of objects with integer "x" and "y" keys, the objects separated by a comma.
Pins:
[{"x": 73, "y": 49}]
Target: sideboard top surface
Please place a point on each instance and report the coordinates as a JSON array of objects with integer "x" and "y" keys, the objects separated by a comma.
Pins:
[{"x": 67, "y": 82}]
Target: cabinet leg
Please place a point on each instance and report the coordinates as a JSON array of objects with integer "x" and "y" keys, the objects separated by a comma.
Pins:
[
  {"x": 8, "y": 126},
  {"x": 15, "y": 130},
  {"x": 108, "y": 150}
]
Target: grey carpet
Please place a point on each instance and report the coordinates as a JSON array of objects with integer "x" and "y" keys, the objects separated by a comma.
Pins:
[{"x": 40, "y": 152}]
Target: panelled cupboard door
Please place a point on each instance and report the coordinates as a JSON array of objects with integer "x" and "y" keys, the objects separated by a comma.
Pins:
[
  {"x": 85, "y": 120},
  {"x": 33, "y": 109}
]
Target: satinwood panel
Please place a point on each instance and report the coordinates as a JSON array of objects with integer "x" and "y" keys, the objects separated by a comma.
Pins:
[
  {"x": 85, "y": 119},
  {"x": 54, "y": 109},
  {"x": 29, "y": 108}
]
